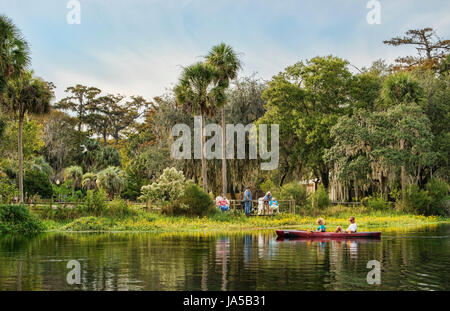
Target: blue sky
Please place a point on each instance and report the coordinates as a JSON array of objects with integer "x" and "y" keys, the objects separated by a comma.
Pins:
[{"x": 137, "y": 47}]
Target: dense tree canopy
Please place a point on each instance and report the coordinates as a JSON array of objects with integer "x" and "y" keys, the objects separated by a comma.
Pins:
[{"x": 376, "y": 131}]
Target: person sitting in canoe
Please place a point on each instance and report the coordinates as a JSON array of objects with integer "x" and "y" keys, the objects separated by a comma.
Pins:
[
  {"x": 351, "y": 229},
  {"x": 321, "y": 223}
]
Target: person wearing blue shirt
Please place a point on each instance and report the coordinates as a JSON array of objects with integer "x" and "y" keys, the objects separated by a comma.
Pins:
[
  {"x": 247, "y": 201},
  {"x": 273, "y": 205},
  {"x": 321, "y": 223}
]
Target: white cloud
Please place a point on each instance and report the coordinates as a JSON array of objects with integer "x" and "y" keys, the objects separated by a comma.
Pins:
[{"x": 146, "y": 72}]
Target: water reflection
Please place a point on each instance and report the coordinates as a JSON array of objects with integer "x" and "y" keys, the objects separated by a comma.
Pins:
[
  {"x": 247, "y": 249},
  {"x": 410, "y": 261},
  {"x": 267, "y": 246},
  {"x": 222, "y": 253}
]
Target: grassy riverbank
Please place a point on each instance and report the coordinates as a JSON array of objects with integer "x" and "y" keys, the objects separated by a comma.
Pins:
[{"x": 154, "y": 222}]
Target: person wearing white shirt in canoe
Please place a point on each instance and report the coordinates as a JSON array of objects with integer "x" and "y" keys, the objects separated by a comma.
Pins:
[{"x": 351, "y": 229}]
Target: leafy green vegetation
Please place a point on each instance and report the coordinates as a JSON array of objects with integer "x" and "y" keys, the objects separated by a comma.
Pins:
[
  {"x": 295, "y": 191},
  {"x": 379, "y": 135},
  {"x": 320, "y": 199},
  {"x": 18, "y": 219},
  {"x": 366, "y": 219},
  {"x": 95, "y": 203},
  {"x": 195, "y": 200},
  {"x": 37, "y": 183},
  {"x": 377, "y": 203},
  {"x": 433, "y": 200}
]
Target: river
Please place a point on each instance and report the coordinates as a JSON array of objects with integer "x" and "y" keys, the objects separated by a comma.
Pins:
[{"x": 417, "y": 259}]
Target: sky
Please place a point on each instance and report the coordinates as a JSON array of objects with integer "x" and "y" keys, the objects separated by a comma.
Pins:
[{"x": 137, "y": 47}]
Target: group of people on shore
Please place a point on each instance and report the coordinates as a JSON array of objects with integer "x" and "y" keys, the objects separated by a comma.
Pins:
[{"x": 266, "y": 205}]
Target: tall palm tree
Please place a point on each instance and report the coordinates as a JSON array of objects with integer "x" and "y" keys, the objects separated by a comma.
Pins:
[
  {"x": 26, "y": 94},
  {"x": 198, "y": 92},
  {"x": 14, "y": 52},
  {"x": 227, "y": 63}
]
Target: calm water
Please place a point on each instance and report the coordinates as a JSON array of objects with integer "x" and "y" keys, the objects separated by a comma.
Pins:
[{"x": 414, "y": 260}]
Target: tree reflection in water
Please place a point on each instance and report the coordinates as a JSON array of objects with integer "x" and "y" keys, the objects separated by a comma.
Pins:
[{"x": 115, "y": 261}]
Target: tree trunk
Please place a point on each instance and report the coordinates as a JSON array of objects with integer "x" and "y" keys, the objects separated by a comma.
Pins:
[
  {"x": 403, "y": 181},
  {"x": 224, "y": 158},
  {"x": 325, "y": 178},
  {"x": 204, "y": 174},
  {"x": 282, "y": 179},
  {"x": 403, "y": 173},
  {"x": 382, "y": 186},
  {"x": 232, "y": 193},
  {"x": 117, "y": 137},
  {"x": 20, "y": 147}
]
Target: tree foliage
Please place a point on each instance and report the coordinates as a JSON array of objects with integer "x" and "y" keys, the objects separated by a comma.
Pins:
[
  {"x": 430, "y": 47},
  {"x": 169, "y": 186},
  {"x": 14, "y": 52},
  {"x": 111, "y": 180}
]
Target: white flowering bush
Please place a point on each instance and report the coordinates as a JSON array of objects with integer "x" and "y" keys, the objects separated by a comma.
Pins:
[{"x": 168, "y": 188}]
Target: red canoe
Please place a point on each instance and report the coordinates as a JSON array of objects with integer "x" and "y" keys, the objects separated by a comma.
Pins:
[{"x": 334, "y": 235}]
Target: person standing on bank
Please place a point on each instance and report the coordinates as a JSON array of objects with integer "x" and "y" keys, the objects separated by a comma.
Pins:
[
  {"x": 267, "y": 199},
  {"x": 247, "y": 201}
]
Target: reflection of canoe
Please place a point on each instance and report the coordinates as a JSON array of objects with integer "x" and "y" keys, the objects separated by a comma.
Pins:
[
  {"x": 332, "y": 235},
  {"x": 324, "y": 240}
]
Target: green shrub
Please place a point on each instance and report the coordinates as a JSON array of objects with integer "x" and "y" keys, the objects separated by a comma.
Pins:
[
  {"x": 320, "y": 198},
  {"x": 133, "y": 184},
  {"x": 7, "y": 191},
  {"x": 60, "y": 213},
  {"x": 416, "y": 201},
  {"x": 437, "y": 191},
  {"x": 195, "y": 201},
  {"x": 377, "y": 203},
  {"x": 434, "y": 200},
  {"x": 18, "y": 219},
  {"x": 169, "y": 186},
  {"x": 62, "y": 192},
  {"x": 296, "y": 191},
  {"x": 119, "y": 208},
  {"x": 78, "y": 196},
  {"x": 95, "y": 203},
  {"x": 36, "y": 182},
  {"x": 267, "y": 185}
]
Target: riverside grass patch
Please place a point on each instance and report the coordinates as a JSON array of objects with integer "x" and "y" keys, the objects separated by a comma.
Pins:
[
  {"x": 18, "y": 219},
  {"x": 233, "y": 222}
]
